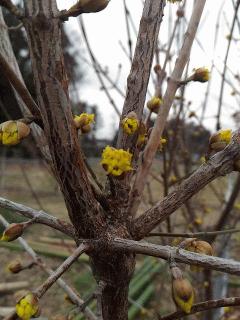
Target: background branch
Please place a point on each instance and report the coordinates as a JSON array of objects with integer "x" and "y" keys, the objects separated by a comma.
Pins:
[{"x": 220, "y": 164}]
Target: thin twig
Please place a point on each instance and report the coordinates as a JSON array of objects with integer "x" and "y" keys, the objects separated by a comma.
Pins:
[
  {"x": 202, "y": 234},
  {"x": 203, "y": 306},
  {"x": 12, "y": 8},
  {"x": 70, "y": 292},
  {"x": 18, "y": 86},
  {"x": 40, "y": 216},
  {"x": 153, "y": 143},
  {"x": 42, "y": 289}
]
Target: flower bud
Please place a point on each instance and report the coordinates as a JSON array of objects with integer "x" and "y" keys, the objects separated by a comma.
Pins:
[
  {"x": 219, "y": 140},
  {"x": 154, "y": 104},
  {"x": 163, "y": 141},
  {"x": 87, "y": 6},
  {"x": 199, "y": 246},
  {"x": 201, "y": 75},
  {"x": 12, "y": 232},
  {"x": 130, "y": 123},
  {"x": 27, "y": 307},
  {"x": 84, "y": 121},
  {"x": 183, "y": 294},
  {"x": 13, "y": 131},
  {"x": 15, "y": 266}
]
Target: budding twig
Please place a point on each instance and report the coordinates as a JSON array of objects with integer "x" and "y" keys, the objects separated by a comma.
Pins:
[
  {"x": 40, "y": 216},
  {"x": 75, "y": 298}
]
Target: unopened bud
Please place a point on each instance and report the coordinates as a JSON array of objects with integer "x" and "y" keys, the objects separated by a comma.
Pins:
[
  {"x": 183, "y": 294},
  {"x": 87, "y": 6},
  {"x": 154, "y": 104},
  {"x": 15, "y": 266},
  {"x": 219, "y": 140},
  {"x": 84, "y": 121},
  {"x": 201, "y": 75},
  {"x": 12, "y": 232},
  {"x": 13, "y": 131},
  {"x": 199, "y": 246}
]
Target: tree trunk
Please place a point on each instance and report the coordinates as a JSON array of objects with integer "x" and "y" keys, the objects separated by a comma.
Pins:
[{"x": 116, "y": 270}]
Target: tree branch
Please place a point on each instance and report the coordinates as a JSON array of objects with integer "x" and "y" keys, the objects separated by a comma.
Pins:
[
  {"x": 42, "y": 289},
  {"x": 220, "y": 164},
  {"x": 75, "y": 298},
  {"x": 141, "y": 66},
  {"x": 12, "y": 8},
  {"x": 19, "y": 86},
  {"x": 153, "y": 143},
  {"x": 203, "y": 306},
  {"x": 180, "y": 255},
  {"x": 40, "y": 216}
]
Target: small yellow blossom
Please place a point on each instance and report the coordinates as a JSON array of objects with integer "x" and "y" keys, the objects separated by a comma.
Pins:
[
  {"x": 116, "y": 161},
  {"x": 154, "y": 104},
  {"x": 28, "y": 307},
  {"x": 225, "y": 135},
  {"x": 130, "y": 123},
  {"x": 219, "y": 140},
  {"x": 163, "y": 141},
  {"x": 201, "y": 75},
  {"x": 12, "y": 132},
  {"x": 84, "y": 121}
]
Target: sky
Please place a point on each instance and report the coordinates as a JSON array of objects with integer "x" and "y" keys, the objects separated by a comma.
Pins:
[{"x": 107, "y": 29}]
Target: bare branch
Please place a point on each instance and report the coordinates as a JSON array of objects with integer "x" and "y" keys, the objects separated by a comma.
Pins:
[
  {"x": 153, "y": 143},
  {"x": 202, "y": 234},
  {"x": 41, "y": 290},
  {"x": 12, "y": 8},
  {"x": 180, "y": 255},
  {"x": 203, "y": 306},
  {"x": 18, "y": 86},
  {"x": 220, "y": 164},
  {"x": 142, "y": 62},
  {"x": 39, "y": 216}
]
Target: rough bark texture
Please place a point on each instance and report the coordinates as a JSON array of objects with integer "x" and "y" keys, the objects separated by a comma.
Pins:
[
  {"x": 44, "y": 37},
  {"x": 89, "y": 218}
]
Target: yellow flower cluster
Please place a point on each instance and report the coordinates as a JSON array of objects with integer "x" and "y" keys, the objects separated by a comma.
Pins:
[
  {"x": 28, "y": 307},
  {"x": 12, "y": 132},
  {"x": 116, "y": 161},
  {"x": 201, "y": 75},
  {"x": 130, "y": 125},
  {"x": 84, "y": 121}
]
